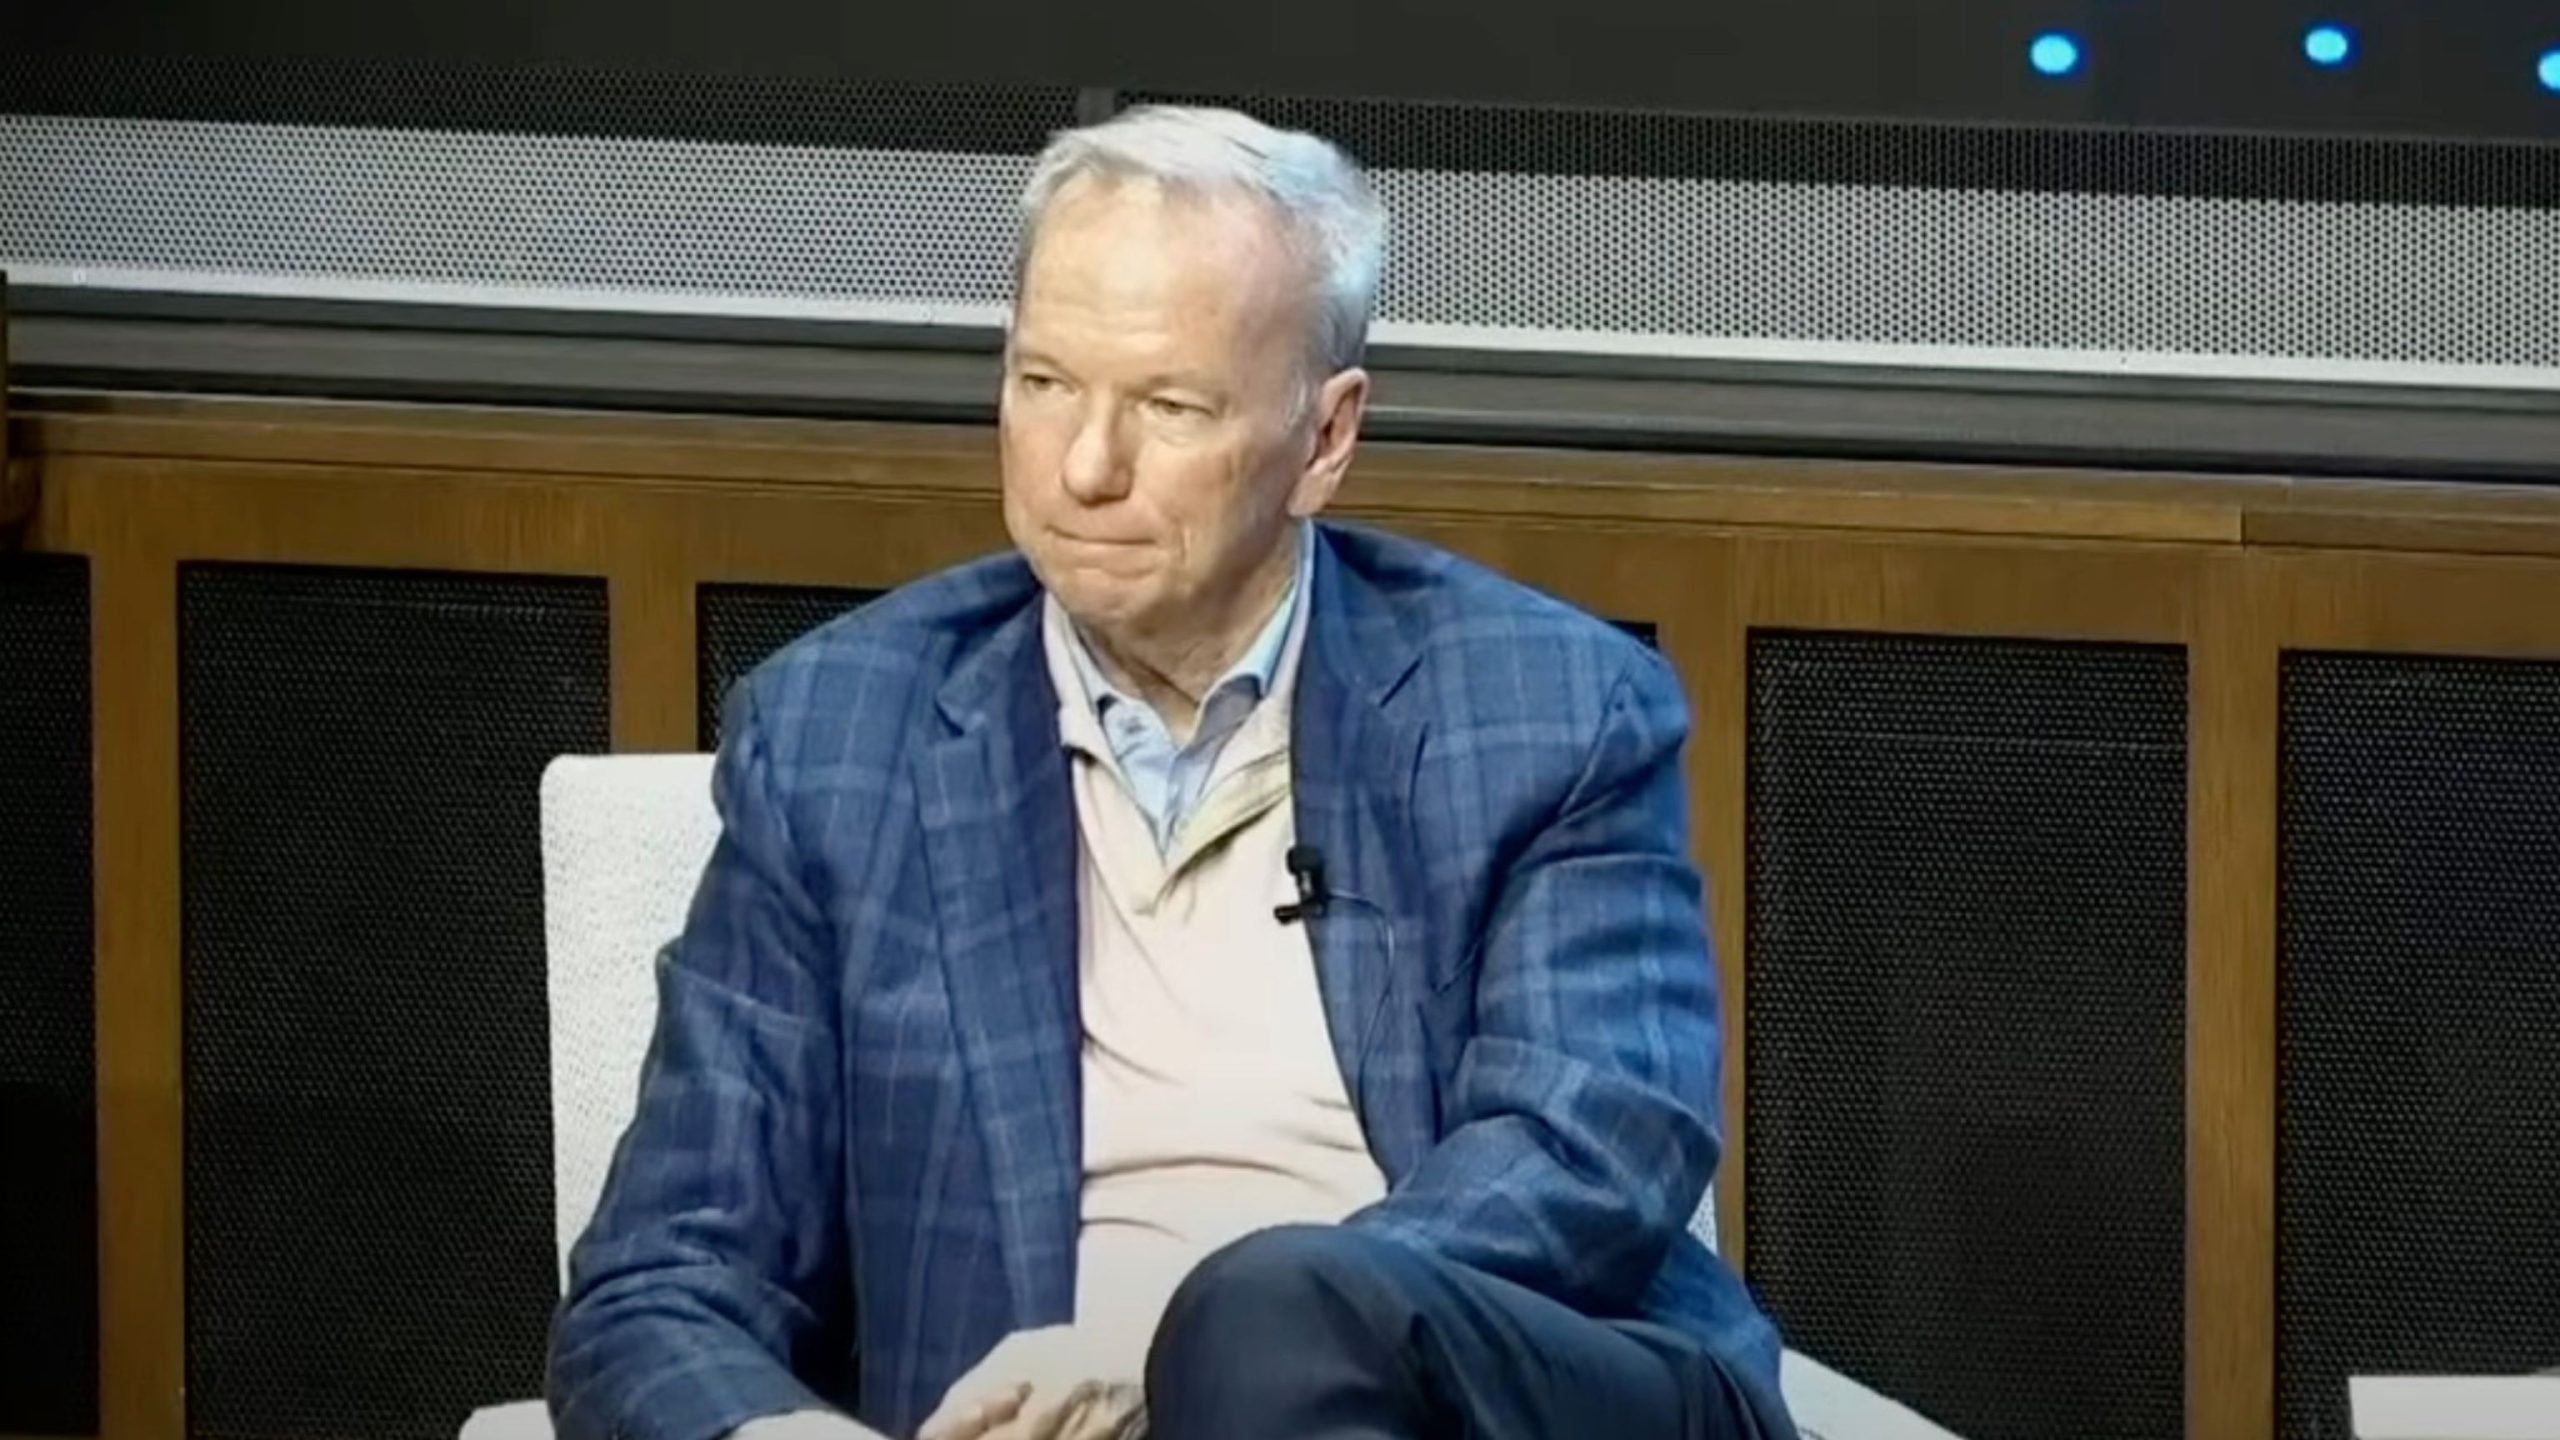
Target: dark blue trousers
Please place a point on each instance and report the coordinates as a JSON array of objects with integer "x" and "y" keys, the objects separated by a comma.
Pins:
[{"x": 1324, "y": 1333}]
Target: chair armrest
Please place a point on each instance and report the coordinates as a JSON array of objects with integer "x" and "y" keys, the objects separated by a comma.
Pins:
[
  {"x": 1828, "y": 1405},
  {"x": 522, "y": 1420}
]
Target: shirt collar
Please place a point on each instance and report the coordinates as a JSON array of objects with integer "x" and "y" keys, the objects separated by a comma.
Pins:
[{"x": 1254, "y": 672}]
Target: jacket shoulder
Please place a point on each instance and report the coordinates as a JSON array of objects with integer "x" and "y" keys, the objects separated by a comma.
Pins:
[
  {"x": 876, "y": 663},
  {"x": 1483, "y": 635}
]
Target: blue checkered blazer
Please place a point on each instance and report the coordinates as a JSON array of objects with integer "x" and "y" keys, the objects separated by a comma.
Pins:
[{"x": 855, "y": 1161}]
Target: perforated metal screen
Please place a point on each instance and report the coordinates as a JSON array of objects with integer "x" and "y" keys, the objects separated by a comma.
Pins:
[
  {"x": 1554, "y": 231},
  {"x": 1965, "y": 995},
  {"x": 2418, "y": 1151},
  {"x": 443, "y": 215},
  {"x": 48, "y": 1090},
  {"x": 369, "y": 1244},
  {"x": 737, "y": 626}
]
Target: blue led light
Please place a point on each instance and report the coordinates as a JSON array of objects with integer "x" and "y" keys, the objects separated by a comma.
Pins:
[
  {"x": 2328, "y": 44},
  {"x": 2549, "y": 70},
  {"x": 2054, "y": 53}
]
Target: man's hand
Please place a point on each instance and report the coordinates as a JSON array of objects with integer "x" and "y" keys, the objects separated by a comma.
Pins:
[{"x": 1055, "y": 1383}]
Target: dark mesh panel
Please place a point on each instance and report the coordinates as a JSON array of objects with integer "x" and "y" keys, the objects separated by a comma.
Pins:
[
  {"x": 48, "y": 1091},
  {"x": 1966, "y": 950},
  {"x": 739, "y": 625},
  {"x": 2418, "y": 1152},
  {"x": 560, "y": 99},
  {"x": 1580, "y": 140},
  {"x": 368, "y": 1132}
]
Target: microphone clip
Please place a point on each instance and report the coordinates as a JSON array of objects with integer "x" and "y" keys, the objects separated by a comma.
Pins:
[{"x": 1306, "y": 867}]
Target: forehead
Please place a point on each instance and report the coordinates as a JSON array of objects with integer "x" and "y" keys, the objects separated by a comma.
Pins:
[{"x": 1135, "y": 253}]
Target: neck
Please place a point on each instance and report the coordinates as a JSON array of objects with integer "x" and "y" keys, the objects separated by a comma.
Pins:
[{"x": 1173, "y": 670}]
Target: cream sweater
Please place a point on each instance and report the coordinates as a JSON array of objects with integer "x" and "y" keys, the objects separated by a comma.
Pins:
[{"x": 1213, "y": 1105}]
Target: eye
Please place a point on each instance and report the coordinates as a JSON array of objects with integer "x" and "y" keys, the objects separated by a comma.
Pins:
[
  {"x": 1166, "y": 407},
  {"x": 1037, "y": 382}
]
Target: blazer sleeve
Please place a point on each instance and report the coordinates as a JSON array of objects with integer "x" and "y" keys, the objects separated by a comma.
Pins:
[
  {"x": 713, "y": 1275},
  {"x": 1581, "y": 1131}
]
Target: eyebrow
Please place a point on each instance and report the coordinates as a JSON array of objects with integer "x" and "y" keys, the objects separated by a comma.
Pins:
[{"x": 1175, "y": 380}]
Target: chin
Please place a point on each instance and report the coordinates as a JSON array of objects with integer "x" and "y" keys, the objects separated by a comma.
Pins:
[{"x": 1097, "y": 600}]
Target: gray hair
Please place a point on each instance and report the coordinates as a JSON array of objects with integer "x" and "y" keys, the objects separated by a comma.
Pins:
[{"x": 1333, "y": 218}]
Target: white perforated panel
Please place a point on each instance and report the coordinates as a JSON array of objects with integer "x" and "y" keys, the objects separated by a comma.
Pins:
[
  {"x": 450, "y": 215},
  {"x": 1640, "y": 265},
  {"x": 1575, "y": 264}
]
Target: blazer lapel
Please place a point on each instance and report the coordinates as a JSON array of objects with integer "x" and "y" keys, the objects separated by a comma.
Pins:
[
  {"x": 1353, "y": 765},
  {"x": 1000, "y": 839}
]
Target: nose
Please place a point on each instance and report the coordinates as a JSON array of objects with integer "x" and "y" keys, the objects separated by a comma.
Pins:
[{"x": 1096, "y": 466}]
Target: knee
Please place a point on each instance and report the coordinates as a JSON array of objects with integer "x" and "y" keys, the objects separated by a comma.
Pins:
[
  {"x": 1321, "y": 1295},
  {"x": 1282, "y": 1272}
]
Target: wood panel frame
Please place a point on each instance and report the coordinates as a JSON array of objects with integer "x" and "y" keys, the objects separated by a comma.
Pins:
[
  {"x": 1705, "y": 549},
  {"x": 2198, "y": 598},
  {"x": 2495, "y": 601}
]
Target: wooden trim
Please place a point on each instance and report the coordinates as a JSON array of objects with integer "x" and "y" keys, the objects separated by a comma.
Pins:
[
  {"x": 2483, "y": 605},
  {"x": 650, "y": 605},
  {"x": 2231, "y": 1014},
  {"x": 391, "y": 519},
  {"x": 141, "y": 1169},
  {"x": 2451, "y": 519},
  {"x": 1419, "y": 481},
  {"x": 1971, "y": 586},
  {"x": 838, "y": 538}
]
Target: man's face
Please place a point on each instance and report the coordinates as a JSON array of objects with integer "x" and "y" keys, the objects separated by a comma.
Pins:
[{"x": 1153, "y": 443}]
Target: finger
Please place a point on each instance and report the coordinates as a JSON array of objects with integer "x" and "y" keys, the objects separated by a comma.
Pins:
[
  {"x": 1029, "y": 1421},
  {"x": 997, "y": 1373},
  {"x": 967, "y": 1404},
  {"x": 987, "y": 1420},
  {"x": 1015, "y": 1427},
  {"x": 1115, "y": 1412},
  {"x": 965, "y": 1418},
  {"x": 1064, "y": 1418}
]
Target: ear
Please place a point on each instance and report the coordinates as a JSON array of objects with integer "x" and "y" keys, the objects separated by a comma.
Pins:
[{"x": 1339, "y": 406}]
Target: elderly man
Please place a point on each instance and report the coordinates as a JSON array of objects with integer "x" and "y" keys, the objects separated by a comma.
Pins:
[{"x": 1206, "y": 974}]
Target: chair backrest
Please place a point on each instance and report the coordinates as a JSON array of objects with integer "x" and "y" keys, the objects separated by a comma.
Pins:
[
  {"x": 624, "y": 841},
  {"x": 1702, "y": 1223}
]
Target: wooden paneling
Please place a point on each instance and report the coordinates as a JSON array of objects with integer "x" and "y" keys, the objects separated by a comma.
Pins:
[
  {"x": 2484, "y": 605},
  {"x": 1974, "y": 586},
  {"x": 2233, "y": 568},
  {"x": 2231, "y": 1002},
  {"x": 141, "y": 1272},
  {"x": 2451, "y": 519},
  {"x": 650, "y": 604}
]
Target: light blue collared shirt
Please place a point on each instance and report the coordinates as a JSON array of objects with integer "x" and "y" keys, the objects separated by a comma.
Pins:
[{"x": 1167, "y": 779}]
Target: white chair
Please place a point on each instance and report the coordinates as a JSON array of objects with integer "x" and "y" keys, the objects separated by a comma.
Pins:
[
  {"x": 2455, "y": 1407},
  {"x": 624, "y": 840}
]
